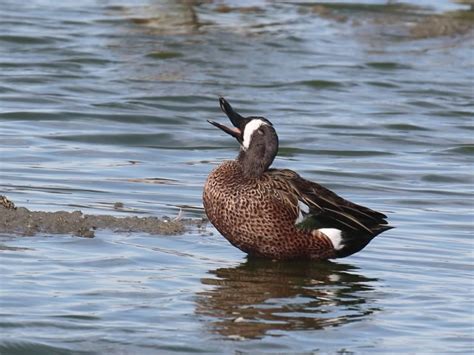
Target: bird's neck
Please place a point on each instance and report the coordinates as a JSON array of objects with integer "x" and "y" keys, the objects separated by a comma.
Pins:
[{"x": 252, "y": 165}]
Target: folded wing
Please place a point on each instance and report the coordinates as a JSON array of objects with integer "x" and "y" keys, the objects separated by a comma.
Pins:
[{"x": 325, "y": 209}]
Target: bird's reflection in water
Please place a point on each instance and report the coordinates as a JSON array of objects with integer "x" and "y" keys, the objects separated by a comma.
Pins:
[{"x": 259, "y": 297}]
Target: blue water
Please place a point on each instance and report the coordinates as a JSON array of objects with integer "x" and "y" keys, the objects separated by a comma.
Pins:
[{"x": 107, "y": 101}]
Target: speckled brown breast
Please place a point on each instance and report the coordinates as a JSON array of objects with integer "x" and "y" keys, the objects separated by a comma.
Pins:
[{"x": 253, "y": 215}]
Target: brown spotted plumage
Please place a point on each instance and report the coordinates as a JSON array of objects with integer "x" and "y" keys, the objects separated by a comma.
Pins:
[{"x": 276, "y": 213}]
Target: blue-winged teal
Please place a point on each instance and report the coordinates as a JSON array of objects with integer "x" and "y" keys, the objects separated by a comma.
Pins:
[{"x": 276, "y": 213}]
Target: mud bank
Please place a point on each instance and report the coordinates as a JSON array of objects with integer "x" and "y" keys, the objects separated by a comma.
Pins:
[{"x": 24, "y": 222}]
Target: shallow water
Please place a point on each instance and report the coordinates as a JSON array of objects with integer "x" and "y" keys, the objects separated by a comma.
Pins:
[{"x": 107, "y": 101}]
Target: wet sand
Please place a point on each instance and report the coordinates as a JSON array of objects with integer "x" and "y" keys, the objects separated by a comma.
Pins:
[{"x": 21, "y": 221}]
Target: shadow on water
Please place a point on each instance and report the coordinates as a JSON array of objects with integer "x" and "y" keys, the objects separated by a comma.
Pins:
[{"x": 261, "y": 297}]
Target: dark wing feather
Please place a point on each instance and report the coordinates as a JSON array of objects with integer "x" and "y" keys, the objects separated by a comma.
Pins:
[{"x": 327, "y": 209}]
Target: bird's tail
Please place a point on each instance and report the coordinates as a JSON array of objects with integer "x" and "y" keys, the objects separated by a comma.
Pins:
[{"x": 352, "y": 242}]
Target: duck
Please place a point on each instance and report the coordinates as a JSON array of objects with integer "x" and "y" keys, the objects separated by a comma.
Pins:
[{"x": 276, "y": 213}]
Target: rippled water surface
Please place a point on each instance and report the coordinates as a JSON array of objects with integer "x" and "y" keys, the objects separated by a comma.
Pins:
[{"x": 107, "y": 101}]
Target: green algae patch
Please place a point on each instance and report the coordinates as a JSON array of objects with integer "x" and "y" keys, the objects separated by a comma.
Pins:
[{"x": 164, "y": 55}]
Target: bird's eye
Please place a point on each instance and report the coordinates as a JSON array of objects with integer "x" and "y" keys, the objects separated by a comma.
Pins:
[{"x": 260, "y": 132}]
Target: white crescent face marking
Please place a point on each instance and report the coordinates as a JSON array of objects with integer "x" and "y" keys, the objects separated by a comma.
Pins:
[
  {"x": 334, "y": 235},
  {"x": 249, "y": 129}
]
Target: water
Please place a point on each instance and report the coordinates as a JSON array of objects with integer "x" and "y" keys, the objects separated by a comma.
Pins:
[{"x": 106, "y": 101}]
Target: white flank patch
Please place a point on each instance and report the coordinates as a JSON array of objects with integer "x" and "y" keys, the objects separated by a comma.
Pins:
[
  {"x": 335, "y": 236},
  {"x": 249, "y": 129},
  {"x": 303, "y": 210}
]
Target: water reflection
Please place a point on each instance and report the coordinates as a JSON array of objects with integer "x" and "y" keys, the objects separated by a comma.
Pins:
[
  {"x": 163, "y": 17},
  {"x": 259, "y": 297}
]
